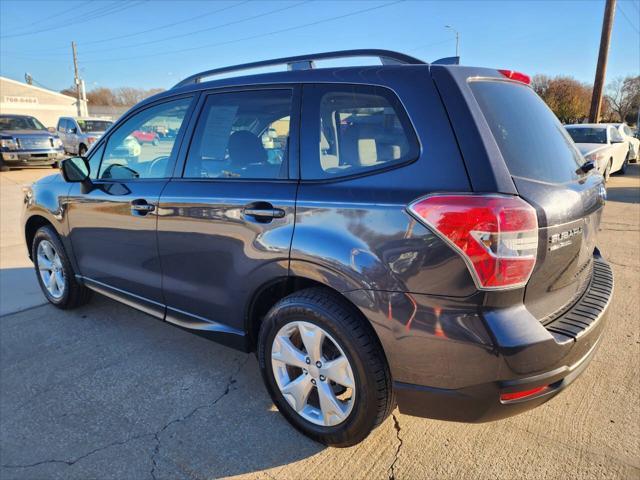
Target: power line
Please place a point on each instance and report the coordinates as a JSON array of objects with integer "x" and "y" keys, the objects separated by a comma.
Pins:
[
  {"x": 195, "y": 32},
  {"x": 627, "y": 18},
  {"x": 149, "y": 30},
  {"x": 63, "y": 12},
  {"x": 252, "y": 37},
  {"x": 101, "y": 12}
]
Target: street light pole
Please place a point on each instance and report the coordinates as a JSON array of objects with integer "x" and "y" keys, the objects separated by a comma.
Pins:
[{"x": 457, "y": 38}]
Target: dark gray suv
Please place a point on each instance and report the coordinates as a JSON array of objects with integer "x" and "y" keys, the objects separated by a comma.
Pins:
[{"x": 411, "y": 234}]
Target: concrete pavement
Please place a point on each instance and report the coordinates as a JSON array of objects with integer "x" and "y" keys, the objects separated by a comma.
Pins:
[{"x": 107, "y": 392}]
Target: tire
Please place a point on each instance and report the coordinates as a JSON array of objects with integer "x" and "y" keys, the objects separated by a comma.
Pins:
[
  {"x": 82, "y": 150},
  {"x": 3, "y": 167},
  {"x": 623, "y": 168},
  {"x": 155, "y": 142},
  {"x": 607, "y": 170},
  {"x": 71, "y": 294},
  {"x": 372, "y": 398}
]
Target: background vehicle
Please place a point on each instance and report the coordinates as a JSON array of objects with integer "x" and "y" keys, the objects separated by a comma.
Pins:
[
  {"x": 634, "y": 144},
  {"x": 146, "y": 137},
  {"x": 470, "y": 293},
  {"x": 24, "y": 141},
  {"x": 78, "y": 134},
  {"x": 603, "y": 145}
]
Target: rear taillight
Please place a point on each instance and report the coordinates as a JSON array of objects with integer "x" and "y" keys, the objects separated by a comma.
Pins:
[
  {"x": 496, "y": 235},
  {"x": 518, "y": 76}
]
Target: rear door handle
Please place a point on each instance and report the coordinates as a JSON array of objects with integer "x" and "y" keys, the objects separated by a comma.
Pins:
[{"x": 141, "y": 207}]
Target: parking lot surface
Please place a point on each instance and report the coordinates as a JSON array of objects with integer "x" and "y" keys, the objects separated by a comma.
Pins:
[{"x": 107, "y": 392}]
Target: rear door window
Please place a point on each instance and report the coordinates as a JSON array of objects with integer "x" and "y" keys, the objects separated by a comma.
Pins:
[
  {"x": 242, "y": 135},
  {"x": 356, "y": 129},
  {"x": 532, "y": 140}
]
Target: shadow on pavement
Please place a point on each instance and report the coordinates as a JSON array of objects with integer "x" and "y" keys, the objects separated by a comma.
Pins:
[
  {"x": 105, "y": 389},
  {"x": 625, "y": 193}
]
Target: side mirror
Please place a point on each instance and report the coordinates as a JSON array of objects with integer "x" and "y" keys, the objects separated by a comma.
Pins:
[
  {"x": 76, "y": 170},
  {"x": 51, "y": 129}
]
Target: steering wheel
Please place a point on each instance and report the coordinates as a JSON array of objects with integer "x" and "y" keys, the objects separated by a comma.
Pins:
[{"x": 159, "y": 162}]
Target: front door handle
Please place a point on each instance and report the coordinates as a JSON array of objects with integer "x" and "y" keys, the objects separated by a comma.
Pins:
[
  {"x": 141, "y": 207},
  {"x": 263, "y": 212}
]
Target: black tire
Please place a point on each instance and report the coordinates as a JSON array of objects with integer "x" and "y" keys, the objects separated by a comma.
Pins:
[
  {"x": 374, "y": 397},
  {"x": 82, "y": 150},
  {"x": 607, "y": 170},
  {"x": 3, "y": 167},
  {"x": 75, "y": 294},
  {"x": 623, "y": 168}
]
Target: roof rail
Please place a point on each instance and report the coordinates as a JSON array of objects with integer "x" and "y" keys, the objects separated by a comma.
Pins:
[{"x": 305, "y": 62}]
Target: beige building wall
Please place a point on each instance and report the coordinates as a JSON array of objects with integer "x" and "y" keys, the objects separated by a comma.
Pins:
[{"x": 46, "y": 105}]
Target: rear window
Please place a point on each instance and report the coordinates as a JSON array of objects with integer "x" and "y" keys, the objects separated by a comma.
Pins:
[{"x": 532, "y": 140}]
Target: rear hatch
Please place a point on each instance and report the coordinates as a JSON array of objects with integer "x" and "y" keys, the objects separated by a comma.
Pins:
[{"x": 543, "y": 167}]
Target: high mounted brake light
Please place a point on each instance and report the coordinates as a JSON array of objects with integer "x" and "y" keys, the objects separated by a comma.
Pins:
[
  {"x": 518, "y": 76},
  {"x": 496, "y": 235}
]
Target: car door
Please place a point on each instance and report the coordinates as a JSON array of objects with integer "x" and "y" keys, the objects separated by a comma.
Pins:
[
  {"x": 619, "y": 147},
  {"x": 226, "y": 222},
  {"x": 113, "y": 226},
  {"x": 62, "y": 133}
]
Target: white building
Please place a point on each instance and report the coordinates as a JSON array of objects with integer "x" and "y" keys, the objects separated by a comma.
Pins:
[{"x": 46, "y": 105}]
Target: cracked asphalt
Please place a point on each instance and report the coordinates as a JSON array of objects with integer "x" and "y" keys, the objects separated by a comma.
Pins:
[{"x": 107, "y": 392}]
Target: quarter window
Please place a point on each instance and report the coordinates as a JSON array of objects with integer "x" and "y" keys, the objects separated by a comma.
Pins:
[
  {"x": 242, "y": 135},
  {"x": 360, "y": 129},
  {"x": 137, "y": 150}
]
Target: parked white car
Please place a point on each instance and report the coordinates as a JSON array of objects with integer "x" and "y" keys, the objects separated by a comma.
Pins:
[
  {"x": 601, "y": 144},
  {"x": 78, "y": 134},
  {"x": 632, "y": 141}
]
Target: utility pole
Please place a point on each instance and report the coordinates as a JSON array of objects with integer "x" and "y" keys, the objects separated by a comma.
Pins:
[
  {"x": 601, "y": 69},
  {"x": 76, "y": 78}
]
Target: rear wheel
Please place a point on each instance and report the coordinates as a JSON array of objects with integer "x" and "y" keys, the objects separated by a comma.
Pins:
[
  {"x": 54, "y": 271},
  {"x": 324, "y": 368},
  {"x": 623, "y": 168}
]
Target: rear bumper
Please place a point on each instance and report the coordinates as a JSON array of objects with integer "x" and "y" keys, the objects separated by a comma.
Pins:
[
  {"x": 463, "y": 375},
  {"x": 482, "y": 403}
]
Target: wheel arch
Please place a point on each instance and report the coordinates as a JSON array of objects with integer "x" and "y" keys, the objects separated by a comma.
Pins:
[
  {"x": 32, "y": 225},
  {"x": 272, "y": 292}
]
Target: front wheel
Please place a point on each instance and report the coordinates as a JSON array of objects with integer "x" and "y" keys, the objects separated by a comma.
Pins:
[
  {"x": 324, "y": 367},
  {"x": 54, "y": 271},
  {"x": 607, "y": 170}
]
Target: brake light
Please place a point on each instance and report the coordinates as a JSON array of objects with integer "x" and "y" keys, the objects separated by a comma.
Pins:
[
  {"x": 507, "y": 397},
  {"x": 518, "y": 76},
  {"x": 496, "y": 235}
]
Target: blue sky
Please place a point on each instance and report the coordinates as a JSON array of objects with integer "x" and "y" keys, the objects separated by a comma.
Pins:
[{"x": 155, "y": 43}]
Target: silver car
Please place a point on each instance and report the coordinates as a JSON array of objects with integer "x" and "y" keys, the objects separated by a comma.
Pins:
[{"x": 78, "y": 134}]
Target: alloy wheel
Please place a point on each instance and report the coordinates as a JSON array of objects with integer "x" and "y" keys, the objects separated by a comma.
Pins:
[
  {"x": 313, "y": 373},
  {"x": 50, "y": 269}
]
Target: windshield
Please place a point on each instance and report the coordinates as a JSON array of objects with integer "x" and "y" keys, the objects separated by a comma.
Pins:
[
  {"x": 94, "y": 125},
  {"x": 588, "y": 135},
  {"x": 20, "y": 123}
]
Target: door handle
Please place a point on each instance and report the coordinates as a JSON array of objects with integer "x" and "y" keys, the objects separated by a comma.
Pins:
[
  {"x": 263, "y": 212},
  {"x": 141, "y": 207}
]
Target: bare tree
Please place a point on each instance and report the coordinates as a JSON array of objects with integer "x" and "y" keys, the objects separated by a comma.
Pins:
[{"x": 623, "y": 96}]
